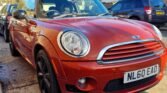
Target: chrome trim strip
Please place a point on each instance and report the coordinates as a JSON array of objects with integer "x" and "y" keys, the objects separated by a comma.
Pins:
[{"x": 102, "y": 52}]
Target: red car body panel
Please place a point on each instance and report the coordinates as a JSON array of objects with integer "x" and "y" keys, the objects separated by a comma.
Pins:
[
  {"x": 101, "y": 32},
  {"x": 96, "y": 31}
]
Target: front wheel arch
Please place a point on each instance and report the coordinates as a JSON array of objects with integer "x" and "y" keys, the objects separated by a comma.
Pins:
[
  {"x": 39, "y": 47},
  {"x": 52, "y": 54},
  {"x": 6, "y": 33},
  {"x": 52, "y": 75}
]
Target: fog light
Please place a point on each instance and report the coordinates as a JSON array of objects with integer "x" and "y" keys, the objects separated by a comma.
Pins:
[
  {"x": 86, "y": 84},
  {"x": 82, "y": 82}
]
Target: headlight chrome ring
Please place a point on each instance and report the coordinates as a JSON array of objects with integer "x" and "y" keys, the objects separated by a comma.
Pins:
[
  {"x": 73, "y": 43},
  {"x": 158, "y": 32}
]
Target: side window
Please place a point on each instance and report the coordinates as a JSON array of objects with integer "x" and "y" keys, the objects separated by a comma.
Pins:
[
  {"x": 117, "y": 7},
  {"x": 28, "y": 6},
  {"x": 128, "y": 4},
  {"x": 12, "y": 8},
  {"x": 139, "y": 4}
]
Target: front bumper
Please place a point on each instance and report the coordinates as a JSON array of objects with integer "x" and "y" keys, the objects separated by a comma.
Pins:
[{"x": 99, "y": 76}]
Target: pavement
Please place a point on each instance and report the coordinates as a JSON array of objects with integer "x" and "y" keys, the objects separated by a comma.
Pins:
[
  {"x": 17, "y": 76},
  {"x": 162, "y": 86}
]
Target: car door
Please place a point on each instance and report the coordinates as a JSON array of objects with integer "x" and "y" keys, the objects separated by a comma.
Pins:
[
  {"x": 23, "y": 30},
  {"x": 127, "y": 8},
  {"x": 18, "y": 29},
  {"x": 26, "y": 33}
]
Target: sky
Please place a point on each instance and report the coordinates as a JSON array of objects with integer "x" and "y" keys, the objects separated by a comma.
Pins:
[{"x": 29, "y": 3}]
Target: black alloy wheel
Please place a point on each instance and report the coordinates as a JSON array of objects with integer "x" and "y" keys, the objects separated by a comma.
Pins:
[
  {"x": 45, "y": 74},
  {"x": 13, "y": 49},
  {"x": 6, "y": 34}
]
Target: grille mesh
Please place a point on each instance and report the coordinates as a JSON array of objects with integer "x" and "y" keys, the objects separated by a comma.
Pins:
[{"x": 132, "y": 51}]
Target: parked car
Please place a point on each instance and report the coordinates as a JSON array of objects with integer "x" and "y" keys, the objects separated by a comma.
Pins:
[
  {"x": 77, "y": 47},
  {"x": 153, "y": 11},
  {"x": 5, "y": 15}
]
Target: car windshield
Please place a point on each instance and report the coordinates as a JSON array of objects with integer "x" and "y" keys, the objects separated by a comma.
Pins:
[
  {"x": 157, "y": 3},
  {"x": 69, "y": 8}
]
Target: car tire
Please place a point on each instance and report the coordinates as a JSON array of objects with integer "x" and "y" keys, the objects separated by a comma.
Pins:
[
  {"x": 6, "y": 34},
  {"x": 46, "y": 77},
  {"x": 134, "y": 18},
  {"x": 13, "y": 49}
]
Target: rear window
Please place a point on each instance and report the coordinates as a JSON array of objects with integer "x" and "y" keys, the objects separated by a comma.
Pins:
[{"x": 157, "y": 3}]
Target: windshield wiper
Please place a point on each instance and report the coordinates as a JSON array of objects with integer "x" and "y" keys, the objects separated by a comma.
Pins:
[
  {"x": 104, "y": 14},
  {"x": 71, "y": 15}
]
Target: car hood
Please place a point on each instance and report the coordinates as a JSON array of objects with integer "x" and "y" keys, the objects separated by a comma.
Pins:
[
  {"x": 111, "y": 30},
  {"x": 103, "y": 32}
]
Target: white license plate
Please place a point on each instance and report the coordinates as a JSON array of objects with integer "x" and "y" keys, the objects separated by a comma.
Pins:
[{"x": 141, "y": 74}]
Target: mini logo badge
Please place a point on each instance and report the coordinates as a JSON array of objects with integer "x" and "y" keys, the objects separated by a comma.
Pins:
[{"x": 136, "y": 37}]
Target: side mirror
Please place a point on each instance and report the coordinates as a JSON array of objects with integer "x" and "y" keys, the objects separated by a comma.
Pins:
[{"x": 19, "y": 14}]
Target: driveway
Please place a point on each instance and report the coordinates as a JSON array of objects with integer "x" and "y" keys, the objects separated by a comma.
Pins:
[
  {"x": 16, "y": 75},
  {"x": 162, "y": 86}
]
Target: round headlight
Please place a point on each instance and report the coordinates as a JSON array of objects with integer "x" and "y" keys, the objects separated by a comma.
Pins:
[
  {"x": 74, "y": 43},
  {"x": 158, "y": 32}
]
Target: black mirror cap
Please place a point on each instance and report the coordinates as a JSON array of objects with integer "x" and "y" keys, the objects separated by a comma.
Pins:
[{"x": 19, "y": 14}]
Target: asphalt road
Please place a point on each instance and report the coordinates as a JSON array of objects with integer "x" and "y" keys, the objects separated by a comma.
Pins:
[{"x": 17, "y": 76}]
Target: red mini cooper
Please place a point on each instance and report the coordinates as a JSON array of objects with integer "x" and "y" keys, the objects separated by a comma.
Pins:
[{"x": 76, "y": 46}]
